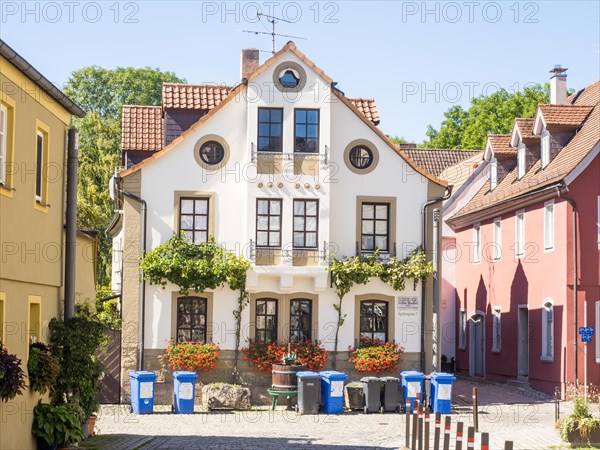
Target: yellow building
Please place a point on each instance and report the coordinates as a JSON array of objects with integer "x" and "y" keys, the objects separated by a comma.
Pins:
[{"x": 34, "y": 119}]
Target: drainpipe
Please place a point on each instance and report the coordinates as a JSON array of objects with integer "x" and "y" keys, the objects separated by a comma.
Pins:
[
  {"x": 143, "y": 287},
  {"x": 423, "y": 282},
  {"x": 575, "y": 271},
  {"x": 71, "y": 222}
]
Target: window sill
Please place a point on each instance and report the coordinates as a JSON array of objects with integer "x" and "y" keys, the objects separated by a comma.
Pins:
[
  {"x": 547, "y": 359},
  {"x": 41, "y": 206},
  {"x": 7, "y": 191},
  {"x": 497, "y": 351}
]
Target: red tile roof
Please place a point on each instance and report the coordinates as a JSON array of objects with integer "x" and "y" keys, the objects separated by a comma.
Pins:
[
  {"x": 368, "y": 108},
  {"x": 525, "y": 127},
  {"x": 500, "y": 144},
  {"x": 193, "y": 96},
  {"x": 565, "y": 115},
  {"x": 589, "y": 96},
  {"x": 142, "y": 128},
  {"x": 436, "y": 161}
]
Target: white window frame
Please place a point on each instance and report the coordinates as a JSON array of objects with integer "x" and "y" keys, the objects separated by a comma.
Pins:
[
  {"x": 547, "y": 307},
  {"x": 497, "y": 329},
  {"x": 476, "y": 243},
  {"x": 462, "y": 329},
  {"x": 520, "y": 161},
  {"x": 493, "y": 173},
  {"x": 497, "y": 235},
  {"x": 549, "y": 226},
  {"x": 3, "y": 142},
  {"x": 545, "y": 149},
  {"x": 520, "y": 234}
]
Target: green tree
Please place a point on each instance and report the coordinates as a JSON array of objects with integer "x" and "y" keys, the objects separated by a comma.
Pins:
[
  {"x": 398, "y": 139},
  {"x": 102, "y": 93},
  {"x": 492, "y": 114}
]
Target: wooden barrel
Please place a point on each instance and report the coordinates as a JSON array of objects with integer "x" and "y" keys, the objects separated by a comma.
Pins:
[{"x": 284, "y": 377}]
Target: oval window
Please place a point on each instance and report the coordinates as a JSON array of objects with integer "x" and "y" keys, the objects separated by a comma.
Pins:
[
  {"x": 361, "y": 157},
  {"x": 212, "y": 153}
]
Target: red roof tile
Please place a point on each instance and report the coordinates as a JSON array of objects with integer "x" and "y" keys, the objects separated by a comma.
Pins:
[
  {"x": 142, "y": 128},
  {"x": 193, "y": 96},
  {"x": 500, "y": 144},
  {"x": 565, "y": 115},
  {"x": 368, "y": 108},
  {"x": 436, "y": 161}
]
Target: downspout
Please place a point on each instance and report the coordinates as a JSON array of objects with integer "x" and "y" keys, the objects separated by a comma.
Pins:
[
  {"x": 575, "y": 271},
  {"x": 71, "y": 222},
  {"x": 423, "y": 282},
  {"x": 143, "y": 288}
]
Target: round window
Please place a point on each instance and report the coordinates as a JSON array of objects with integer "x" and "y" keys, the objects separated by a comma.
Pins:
[
  {"x": 212, "y": 153},
  {"x": 289, "y": 79},
  {"x": 361, "y": 157}
]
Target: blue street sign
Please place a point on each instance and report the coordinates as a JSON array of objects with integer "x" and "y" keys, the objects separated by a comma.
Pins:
[
  {"x": 586, "y": 331},
  {"x": 586, "y": 338}
]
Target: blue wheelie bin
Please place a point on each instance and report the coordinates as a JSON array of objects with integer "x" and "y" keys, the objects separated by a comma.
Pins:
[
  {"x": 441, "y": 391},
  {"x": 142, "y": 392},
  {"x": 183, "y": 391},
  {"x": 332, "y": 391},
  {"x": 412, "y": 385}
]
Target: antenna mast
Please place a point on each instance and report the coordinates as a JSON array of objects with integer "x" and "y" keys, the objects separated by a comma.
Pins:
[{"x": 273, "y": 20}]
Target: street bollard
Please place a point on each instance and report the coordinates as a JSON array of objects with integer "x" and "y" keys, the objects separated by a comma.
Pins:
[
  {"x": 508, "y": 445},
  {"x": 459, "y": 435},
  {"x": 475, "y": 411},
  {"x": 485, "y": 441},
  {"x": 407, "y": 438},
  {"x": 471, "y": 438},
  {"x": 414, "y": 426},
  {"x": 420, "y": 429},
  {"x": 556, "y": 405},
  {"x": 436, "y": 433},
  {"x": 426, "y": 433},
  {"x": 447, "y": 433}
]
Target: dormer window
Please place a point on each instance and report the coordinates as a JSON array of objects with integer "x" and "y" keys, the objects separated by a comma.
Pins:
[
  {"x": 545, "y": 149},
  {"x": 493, "y": 173},
  {"x": 520, "y": 160}
]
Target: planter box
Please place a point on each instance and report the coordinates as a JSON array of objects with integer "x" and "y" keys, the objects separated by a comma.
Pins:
[
  {"x": 225, "y": 396},
  {"x": 578, "y": 440}
]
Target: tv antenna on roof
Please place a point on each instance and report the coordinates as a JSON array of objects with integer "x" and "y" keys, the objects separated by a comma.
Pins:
[{"x": 273, "y": 20}]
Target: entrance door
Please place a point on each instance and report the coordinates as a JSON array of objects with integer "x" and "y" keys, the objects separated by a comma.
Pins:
[
  {"x": 477, "y": 345},
  {"x": 523, "y": 342}
]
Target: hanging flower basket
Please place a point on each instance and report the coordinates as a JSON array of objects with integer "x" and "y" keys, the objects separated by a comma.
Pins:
[{"x": 12, "y": 377}]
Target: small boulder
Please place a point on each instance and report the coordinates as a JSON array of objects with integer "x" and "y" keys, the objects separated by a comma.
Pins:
[{"x": 225, "y": 396}]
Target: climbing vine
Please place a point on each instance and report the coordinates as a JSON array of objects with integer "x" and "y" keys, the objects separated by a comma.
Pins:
[
  {"x": 356, "y": 270},
  {"x": 199, "y": 267}
]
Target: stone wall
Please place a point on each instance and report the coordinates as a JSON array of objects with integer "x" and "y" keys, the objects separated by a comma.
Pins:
[{"x": 258, "y": 382}]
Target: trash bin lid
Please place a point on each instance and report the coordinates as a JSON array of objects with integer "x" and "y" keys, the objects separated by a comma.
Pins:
[
  {"x": 332, "y": 374},
  {"x": 412, "y": 374},
  {"x": 142, "y": 374},
  {"x": 368, "y": 379},
  {"x": 390, "y": 379},
  {"x": 308, "y": 374},
  {"x": 442, "y": 376},
  {"x": 185, "y": 374}
]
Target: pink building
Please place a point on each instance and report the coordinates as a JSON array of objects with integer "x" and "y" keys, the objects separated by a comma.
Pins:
[{"x": 527, "y": 238}]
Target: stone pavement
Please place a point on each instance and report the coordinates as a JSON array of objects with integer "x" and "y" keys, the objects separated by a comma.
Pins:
[{"x": 507, "y": 413}]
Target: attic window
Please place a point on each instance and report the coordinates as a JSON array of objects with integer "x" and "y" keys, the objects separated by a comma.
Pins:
[
  {"x": 361, "y": 157},
  {"x": 289, "y": 79}
]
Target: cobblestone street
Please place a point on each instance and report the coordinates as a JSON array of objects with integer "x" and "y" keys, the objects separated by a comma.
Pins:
[{"x": 507, "y": 413}]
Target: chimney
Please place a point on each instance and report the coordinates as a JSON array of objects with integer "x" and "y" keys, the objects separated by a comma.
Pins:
[
  {"x": 558, "y": 85},
  {"x": 249, "y": 62}
]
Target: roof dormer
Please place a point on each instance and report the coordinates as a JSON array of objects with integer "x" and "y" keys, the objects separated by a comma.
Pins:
[
  {"x": 527, "y": 144},
  {"x": 501, "y": 157}
]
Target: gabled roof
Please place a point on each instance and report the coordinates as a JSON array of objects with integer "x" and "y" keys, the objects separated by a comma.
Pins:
[
  {"x": 193, "y": 96},
  {"x": 588, "y": 96},
  {"x": 500, "y": 145},
  {"x": 232, "y": 94},
  {"x": 436, "y": 161},
  {"x": 564, "y": 115},
  {"x": 458, "y": 173},
  {"x": 562, "y": 166},
  {"x": 142, "y": 128}
]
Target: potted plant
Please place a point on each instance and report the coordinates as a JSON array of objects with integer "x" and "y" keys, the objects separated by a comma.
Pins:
[
  {"x": 55, "y": 426},
  {"x": 12, "y": 377},
  {"x": 262, "y": 355},
  {"x": 373, "y": 355},
  {"x": 43, "y": 368},
  {"x": 192, "y": 356},
  {"x": 580, "y": 428}
]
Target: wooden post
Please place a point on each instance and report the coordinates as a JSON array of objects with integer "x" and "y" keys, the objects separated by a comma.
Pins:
[
  {"x": 407, "y": 438},
  {"x": 471, "y": 438},
  {"x": 475, "y": 411},
  {"x": 414, "y": 426},
  {"x": 426, "y": 433},
  {"x": 420, "y": 428},
  {"x": 447, "y": 433},
  {"x": 436, "y": 433},
  {"x": 485, "y": 441},
  {"x": 508, "y": 445},
  {"x": 459, "y": 435}
]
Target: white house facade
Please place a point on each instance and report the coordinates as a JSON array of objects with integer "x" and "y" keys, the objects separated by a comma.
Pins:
[{"x": 287, "y": 171}]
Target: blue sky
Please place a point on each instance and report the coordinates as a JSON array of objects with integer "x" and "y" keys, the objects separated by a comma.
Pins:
[{"x": 415, "y": 58}]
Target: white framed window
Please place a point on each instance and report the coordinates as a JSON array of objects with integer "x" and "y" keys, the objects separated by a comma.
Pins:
[
  {"x": 545, "y": 149},
  {"x": 497, "y": 330},
  {"x": 3, "y": 142},
  {"x": 520, "y": 234},
  {"x": 493, "y": 173},
  {"x": 497, "y": 253},
  {"x": 476, "y": 243},
  {"x": 597, "y": 325},
  {"x": 548, "y": 330},
  {"x": 549, "y": 225},
  {"x": 520, "y": 161},
  {"x": 462, "y": 329}
]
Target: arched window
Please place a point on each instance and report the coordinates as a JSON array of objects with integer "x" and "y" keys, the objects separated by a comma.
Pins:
[
  {"x": 548, "y": 330},
  {"x": 191, "y": 319}
]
